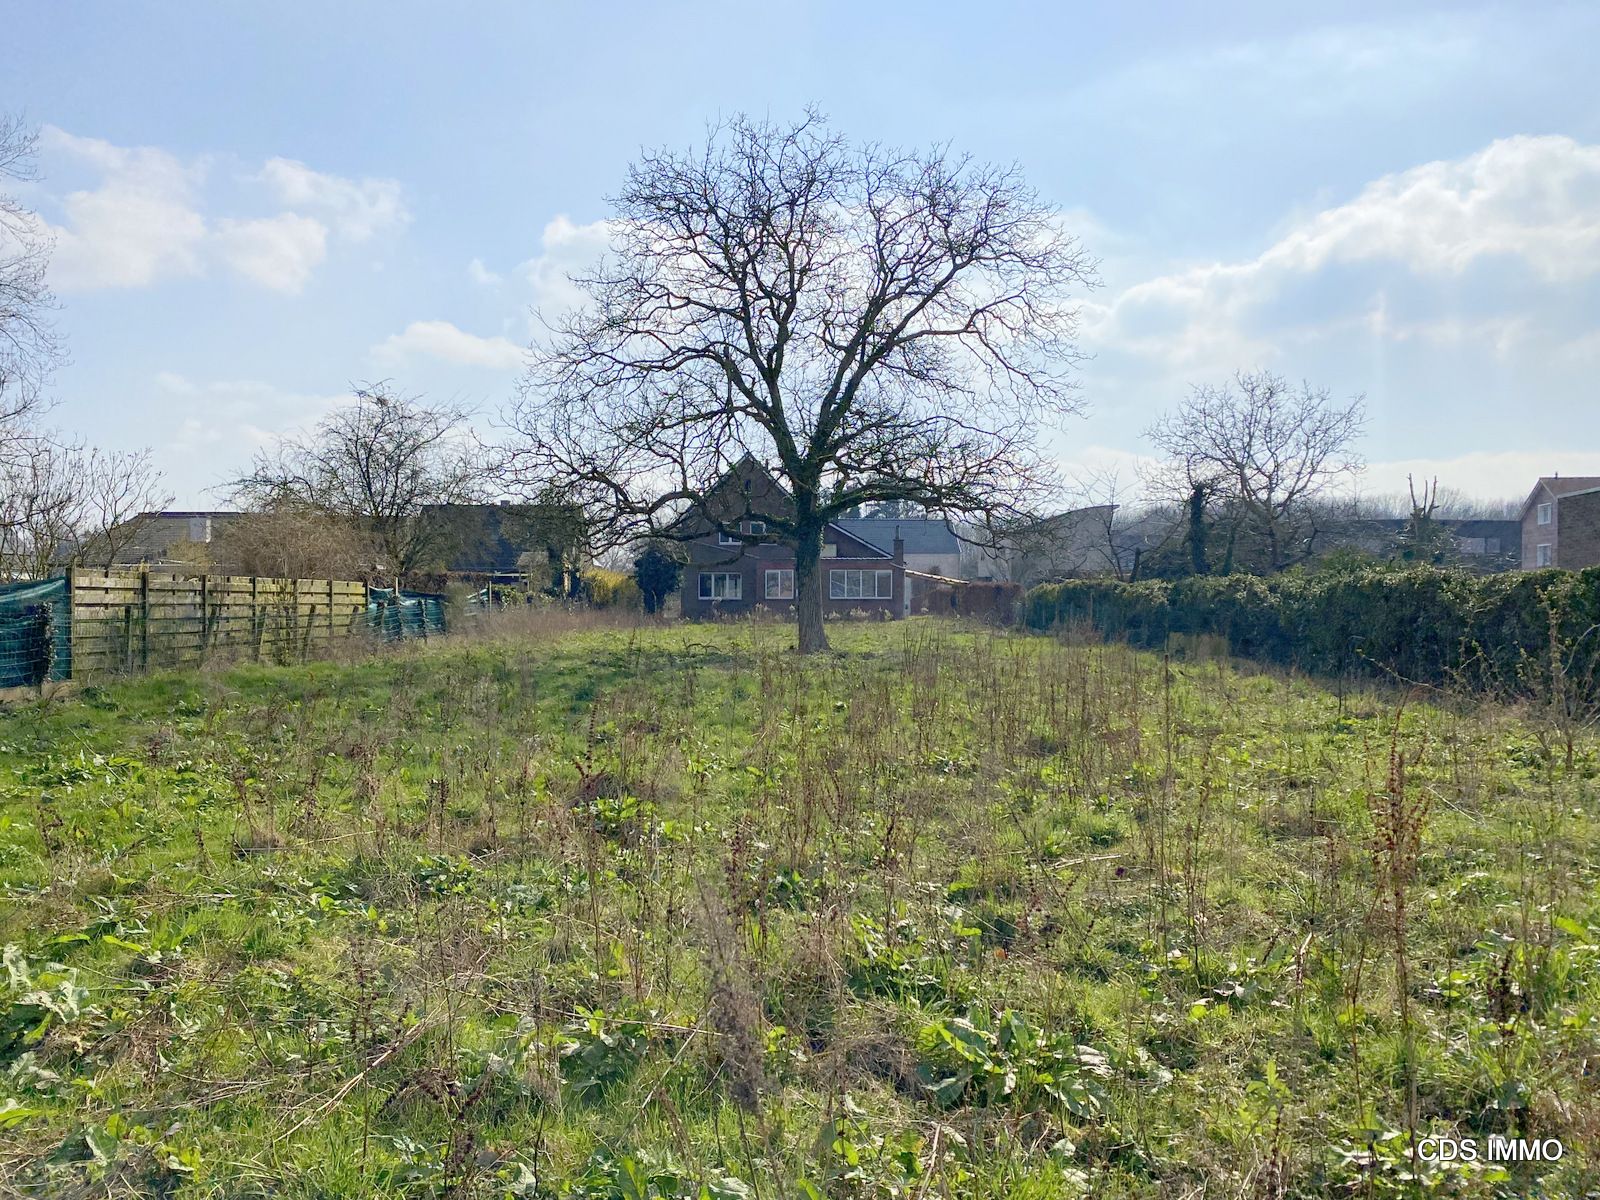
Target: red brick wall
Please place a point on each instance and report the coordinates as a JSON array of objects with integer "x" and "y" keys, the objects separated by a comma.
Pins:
[{"x": 1579, "y": 521}]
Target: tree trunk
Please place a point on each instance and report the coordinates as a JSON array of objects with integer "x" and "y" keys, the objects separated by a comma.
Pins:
[
  {"x": 1197, "y": 530},
  {"x": 808, "y": 590}
]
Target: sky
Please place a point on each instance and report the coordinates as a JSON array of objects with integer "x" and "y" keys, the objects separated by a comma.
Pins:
[{"x": 255, "y": 206}]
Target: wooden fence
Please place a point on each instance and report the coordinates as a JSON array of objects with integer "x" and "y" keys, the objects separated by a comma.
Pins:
[{"x": 141, "y": 620}]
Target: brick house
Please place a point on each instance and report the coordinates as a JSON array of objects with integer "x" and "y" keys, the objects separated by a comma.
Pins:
[
  {"x": 1561, "y": 523},
  {"x": 734, "y": 565}
]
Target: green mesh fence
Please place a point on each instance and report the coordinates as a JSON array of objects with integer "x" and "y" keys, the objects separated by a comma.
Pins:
[
  {"x": 35, "y": 632},
  {"x": 398, "y": 615}
]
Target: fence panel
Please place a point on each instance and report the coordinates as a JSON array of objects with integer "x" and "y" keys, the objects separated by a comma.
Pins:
[
  {"x": 137, "y": 621},
  {"x": 96, "y": 623}
]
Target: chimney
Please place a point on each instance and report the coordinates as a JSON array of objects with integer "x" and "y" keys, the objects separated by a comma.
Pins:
[{"x": 899, "y": 547}]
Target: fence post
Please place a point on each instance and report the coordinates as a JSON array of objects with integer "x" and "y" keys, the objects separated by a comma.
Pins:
[
  {"x": 205, "y": 617},
  {"x": 255, "y": 617},
  {"x": 144, "y": 617},
  {"x": 330, "y": 616},
  {"x": 72, "y": 622}
]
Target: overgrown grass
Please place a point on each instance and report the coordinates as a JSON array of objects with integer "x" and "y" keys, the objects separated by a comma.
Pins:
[{"x": 671, "y": 912}]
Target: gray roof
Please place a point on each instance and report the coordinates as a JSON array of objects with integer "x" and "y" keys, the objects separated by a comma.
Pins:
[{"x": 922, "y": 535}]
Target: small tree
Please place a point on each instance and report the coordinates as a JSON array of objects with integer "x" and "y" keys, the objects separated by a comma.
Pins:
[
  {"x": 62, "y": 505},
  {"x": 1262, "y": 451},
  {"x": 658, "y": 575},
  {"x": 871, "y": 325},
  {"x": 121, "y": 494},
  {"x": 381, "y": 464}
]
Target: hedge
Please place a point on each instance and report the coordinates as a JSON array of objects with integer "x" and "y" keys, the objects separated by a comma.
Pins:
[{"x": 1421, "y": 624}]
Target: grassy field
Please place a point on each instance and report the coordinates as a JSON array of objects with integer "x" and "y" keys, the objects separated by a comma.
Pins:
[{"x": 669, "y": 912}]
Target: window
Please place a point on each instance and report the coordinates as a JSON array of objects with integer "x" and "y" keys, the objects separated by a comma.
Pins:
[
  {"x": 727, "y": 539},
  {"x": 1544, "y": 514},
  {"x": 780, "y": 585},
  {"x": 860, "y": 585},
  {"x": 758, "y": 527},
  {"x": 721, "y": 585},
  {"x": 1541, "y": 554}
]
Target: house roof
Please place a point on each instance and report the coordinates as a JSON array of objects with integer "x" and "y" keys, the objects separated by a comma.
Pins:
[
  {"x": 1476, "y": 527},
  {"x": 921, "y": 535},
  {"x": 1557, "y": 486}
]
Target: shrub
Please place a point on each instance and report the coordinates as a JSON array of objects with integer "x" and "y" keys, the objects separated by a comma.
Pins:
[
  {"x": 1422, "y": 624},
  {"x": 612, "y": 589}
]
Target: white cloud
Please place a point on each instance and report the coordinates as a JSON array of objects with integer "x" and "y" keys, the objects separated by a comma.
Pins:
[
  {"x": 441, "y": 339},
  {"x": 481, "y": 274},
  {"x": 565, "y": 249},
  {"x": 146, "y": 219},
  {"x": 216, "y": 425},
  {"x": 357, "y": 209},
  {"x": 1531, "y": 198},
  {"x": 277, "y": 252},
  {"x": 137, "y": 227},
  {"x": 1529, "y": 201}
]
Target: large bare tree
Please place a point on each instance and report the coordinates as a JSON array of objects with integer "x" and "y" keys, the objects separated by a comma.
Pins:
[
  {"x": 382, "y": 463},
  {"x": 1257, "y": 451},
  {"x": 872, "y": 325},
  {"x": 29, "y": 349}
]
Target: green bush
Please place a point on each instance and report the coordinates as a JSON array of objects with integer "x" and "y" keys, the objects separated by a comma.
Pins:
[
  {"x": 1420, "y": 624},
  {"x": 612, "y": 589}
]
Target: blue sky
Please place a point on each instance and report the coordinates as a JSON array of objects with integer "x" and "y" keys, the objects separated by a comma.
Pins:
[{"x": 255, "y": 205}]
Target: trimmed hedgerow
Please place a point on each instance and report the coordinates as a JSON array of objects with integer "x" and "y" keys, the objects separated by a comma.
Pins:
[{"x": 1424, "y": 624}]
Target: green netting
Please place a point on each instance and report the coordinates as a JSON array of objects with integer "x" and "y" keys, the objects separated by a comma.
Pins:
[
  {"x": 35, "y": 632},
  {"x": 397, "y": 615}
]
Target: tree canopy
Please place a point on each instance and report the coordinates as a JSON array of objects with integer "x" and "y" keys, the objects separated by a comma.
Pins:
[{"x": 873, "y": 325}]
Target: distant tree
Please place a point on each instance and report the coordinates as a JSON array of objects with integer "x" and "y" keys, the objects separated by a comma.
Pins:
[
  {"x": 555, "y": 536},
  {"x": 41, "y": 510},
  {"x": 894, "y": 509},
  {"x": 291, "y": 541},
  {"x": 1424, "y": 539},
  {"x": 122, "y": 493},
  {"x": 1261, "y": 451},
  {"x": 658, "y": 575},
  {"x": 871, "y": 325},
  {"x": 380, "y": 463},
  {"x": 64, "y": 505}
]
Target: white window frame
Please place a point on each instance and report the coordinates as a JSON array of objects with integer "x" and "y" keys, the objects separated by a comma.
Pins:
[
  {"x": 1542, "y": 556},
  {"x": 724, "y": 538},
  {"x": 1544, "y": 515},
  {"x": 785, "y": 590},
  {"x": 757, "y": 528},
  {"x": 709, "y": 585},
  {"x": 851, "y": 583}
]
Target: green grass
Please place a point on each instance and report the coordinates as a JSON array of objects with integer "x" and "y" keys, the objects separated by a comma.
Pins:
[{"x": 673, "y": 912}]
